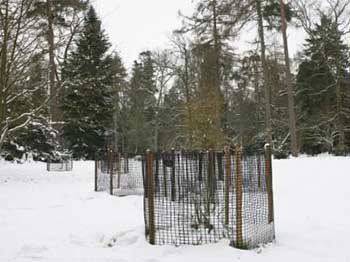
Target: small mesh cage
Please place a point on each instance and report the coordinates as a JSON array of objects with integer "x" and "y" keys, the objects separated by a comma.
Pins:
[
  {"x": 201, "y": 197},
  {"x": 60, "y": 166},
  {"x": 118, "y": 174}
]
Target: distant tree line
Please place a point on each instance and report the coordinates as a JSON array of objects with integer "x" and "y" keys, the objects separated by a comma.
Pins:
[{"x": 64, "y": 89}]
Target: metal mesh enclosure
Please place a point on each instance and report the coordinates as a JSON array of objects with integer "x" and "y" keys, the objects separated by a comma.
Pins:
[
  {"x": 62, "y": 166},
  {"x": 118, "y": 174},
  {"x": 198, "y": 198}
]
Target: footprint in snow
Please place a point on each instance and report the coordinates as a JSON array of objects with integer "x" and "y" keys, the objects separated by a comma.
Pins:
[{"x": 32, "y": 252}]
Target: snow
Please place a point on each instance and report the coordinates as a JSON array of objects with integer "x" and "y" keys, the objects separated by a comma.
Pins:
[{"x": 56, "y": 216}]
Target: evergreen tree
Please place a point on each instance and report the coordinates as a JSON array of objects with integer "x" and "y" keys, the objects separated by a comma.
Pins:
[
  {"x": 89, "y": 95},
  {"x": 141, "y": 103},
  {"x": 323, "y": 88},
  {"x": 119, "y": 89},
  {"x": 57, "y": 16},
  {"x": 207, "y": 102}
]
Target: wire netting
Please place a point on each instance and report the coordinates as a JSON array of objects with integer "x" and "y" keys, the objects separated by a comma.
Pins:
[
  {"x": 118, "y": 174},
  {"x": 61, "y": 166},
  {"x": 201, "y": 197}
]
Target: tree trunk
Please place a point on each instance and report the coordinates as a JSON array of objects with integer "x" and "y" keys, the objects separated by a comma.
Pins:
[
  {"x": 290, "y": 91},
  {"x": 340, "y": 147},
  {"x": 188, "y": 100},
  {"x": 216, "y": 47},
  {"x": 3, "y": 73},
  {"x": 54, "y": 110},
  {"x": 268, "y": 117},
  {"x": 218, "y": 106}
]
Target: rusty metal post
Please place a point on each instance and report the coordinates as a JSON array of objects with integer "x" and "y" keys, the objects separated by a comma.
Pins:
[
  {"x": 269, "y": 185},
  {"x": 150, "y": 197},
  {"x": 239, "y": 197},
  {"x": 227, "y": 183}
]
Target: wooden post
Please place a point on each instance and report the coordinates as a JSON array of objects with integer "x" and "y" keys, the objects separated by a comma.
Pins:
[
  {"x": 96, "y": 174},
  {"x": 157, "y": 157},
  {"x": 150, "y": 197},
  {"x": 258, "y": 159},
  {"x": 165, "y": 181},
  {"x": 173, "y": 178},
  {"x": 239, "y": 197},
  {"x": 200, "y": 166},
  {"x": 269, "y": 185},
  {"x": 118, "y": 160},
  {"x": 227, "y": 184},
  {"x": 210, "y": 181},
  {"x": 211, "y": 172},
  {"x": 221, "y": 171},
  {"x": 110, "y": 157}
]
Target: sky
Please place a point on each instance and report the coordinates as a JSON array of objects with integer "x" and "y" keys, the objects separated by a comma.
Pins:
[{"x": 134, "y": 26}]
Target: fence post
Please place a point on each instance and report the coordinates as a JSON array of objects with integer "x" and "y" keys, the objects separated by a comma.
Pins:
[
  {"x": 157, "y": 158},
  {"x": 239, "y": 198},
  {"x": 165, "y": 181},
  {"x": 268, "y": 174},
  {"x": 150, "y": 197},
  {"x": 118, "y": 159},
  {"x": 211, "y": 173},
  {"x": 110, "y": 160},
  {"x": 173, "y": 179},
  {"x": 259, "y": 170},
  {"x": 209, "y": 183},
  {"x": 227, "y": 183},
  {"x": 96, "y": 170},
  {"x": 200, "y": 167}
]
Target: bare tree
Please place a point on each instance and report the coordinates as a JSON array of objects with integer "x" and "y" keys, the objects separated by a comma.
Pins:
[
  {"x": 182, "y": 49},
  {"x": 19, "y": 43},
  {"x": 164, "y": 72}
]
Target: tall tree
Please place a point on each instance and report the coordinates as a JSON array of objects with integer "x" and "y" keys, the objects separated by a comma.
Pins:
[
  {"x": 58, "y": 16},
  {"x": 141, "y": 104},
  {"x": 88, "y": 102},
  {"x": 19, "y": 45},
  {"x": 214, "y": 23},
  {"x": 261, "y": 32},
  {"x": 119, "y": 89},
  {"x": 164, "y": 73},
  {"x": 207, "y": 102},
  {"x": 290, "y": 91},
  {"x": 323, "y": 89}
]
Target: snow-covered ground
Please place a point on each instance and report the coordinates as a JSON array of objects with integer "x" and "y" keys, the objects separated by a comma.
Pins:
[{"x": 57, "y": 217}]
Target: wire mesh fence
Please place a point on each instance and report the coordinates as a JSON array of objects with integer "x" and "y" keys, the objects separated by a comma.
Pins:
[
  {"x": 61, "y": 166},
  {"x": 118, "y": 174},
  {"x": 202, "y": 197}
]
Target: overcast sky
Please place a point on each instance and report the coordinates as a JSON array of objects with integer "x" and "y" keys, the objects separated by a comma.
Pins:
[{"x": 136, "y": 25}]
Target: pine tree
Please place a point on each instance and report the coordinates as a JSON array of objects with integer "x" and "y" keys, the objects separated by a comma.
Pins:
[
  {"x": 119, "y": 89},
  {"x": 89, "y": 95},
  {"x": 141, "y": 104},
  {"x": 57, "y": 14},
  {"x": 323, "y": 89},
  {"x": 207, "y": 102}
]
